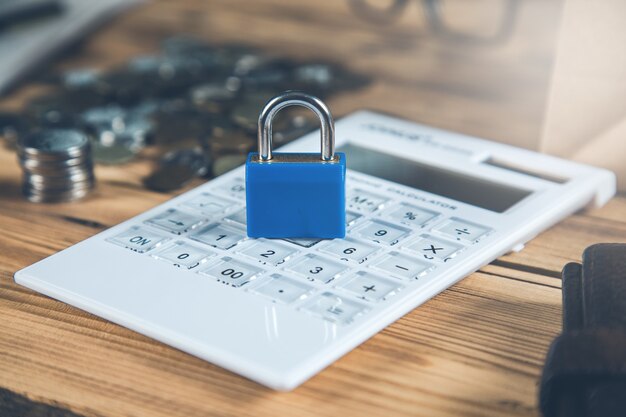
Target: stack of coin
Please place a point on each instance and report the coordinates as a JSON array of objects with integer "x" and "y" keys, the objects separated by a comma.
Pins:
[{"x": 57, "y": 165}]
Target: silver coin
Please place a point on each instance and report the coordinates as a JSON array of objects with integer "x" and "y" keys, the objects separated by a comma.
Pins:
[
  {"x": 114, "y": 154},
  {"x": 36, "y": 165},
  {"x": 107, "y": 117},
  {"x": 246, "y": 114},
  {"x": 54, "y": 144},
  {"x": 177, "y": 168},
  {"x": 227, "y": 163},
  {"x": 317, "y": 75},
  {"x": 80, "y": 78},
  {"x": 231, "y": 141},
  {"x": 213, "y": 93},
  {"x": 57, "y": 183},
  {"x": 58, "y": 188},
  {"x": 57, "y": 197},
  {"x": 53, "y": 172}
]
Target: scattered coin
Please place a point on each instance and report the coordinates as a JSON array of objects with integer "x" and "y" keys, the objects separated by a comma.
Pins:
[
  {"x": 191, "y": 91},
  {"x": 230, "y": 141},
  {"x": 227, "y": 163},
  {"x": 177, "y": 168}
]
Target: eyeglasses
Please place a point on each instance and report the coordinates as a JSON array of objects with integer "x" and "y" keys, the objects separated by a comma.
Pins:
[{"x": 462, "y": 21}]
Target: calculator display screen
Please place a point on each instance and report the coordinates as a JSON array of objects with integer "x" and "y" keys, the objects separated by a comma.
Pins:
[{"x": 471, "y": 190}]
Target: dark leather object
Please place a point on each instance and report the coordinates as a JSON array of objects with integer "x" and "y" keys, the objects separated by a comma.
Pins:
[{"x": 585, "y": 370}]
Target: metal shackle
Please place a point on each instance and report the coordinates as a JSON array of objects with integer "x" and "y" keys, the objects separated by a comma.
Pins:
[{"x": 296, "y": 98}]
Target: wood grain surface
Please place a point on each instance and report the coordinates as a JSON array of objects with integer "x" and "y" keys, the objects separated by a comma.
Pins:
[{"x": 474, "y": 350}]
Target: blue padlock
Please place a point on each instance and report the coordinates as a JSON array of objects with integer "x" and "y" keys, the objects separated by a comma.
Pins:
[{"x": 296, "y": 195}]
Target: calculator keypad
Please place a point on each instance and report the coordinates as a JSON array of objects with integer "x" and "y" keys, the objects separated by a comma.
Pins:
[
  {"x": 350, "y": 249},
  {"x": 232, "y": 272},
  {"x": 433, "y": 248},
  {"x": 282, "y": 289},
  {"x": 462, "y": 230},
  {"x": 365, "y": 201},
  {"x": 175, "y": 221},
  {"x": 269, "y": 252},
  {"x": 316, "y": 268},
  {"x": 411, "y": 215},
  {"x": 382, "y": 232},
  {"x": 402, "y": 266},
  {"x": 139, "y": 239},
  {"x": 209, "y": 204},
  {"x": 238, "y": 217},
  {"x": 338, "y": 280},
  {"x": 370, "y": 287},
  {"x": 235, "y": 187},
  {"x": 218, "y": 236},
  {"x": 183, "y": 255},
  {"x": 335, "y": 308}
]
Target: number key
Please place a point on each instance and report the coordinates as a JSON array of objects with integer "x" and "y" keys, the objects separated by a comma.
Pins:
[
  {"x": 218, "y": 236},
  {"x": 182, "y": 254},
  {"x": 383, "y": 232},
  {"x": 350, "y": 249},
  {"x": 316, "y": 268},
  {"x": 268, "y": 252},
  {"x": 232, "y": 272}
]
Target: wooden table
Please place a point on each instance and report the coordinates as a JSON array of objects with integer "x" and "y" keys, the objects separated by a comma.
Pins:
[{"x": 474, "y": 350}]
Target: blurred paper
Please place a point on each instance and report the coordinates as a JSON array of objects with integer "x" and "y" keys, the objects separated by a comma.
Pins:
[
  {"x": 25, "y": 47},
  {"x": 586, "y": 112}
]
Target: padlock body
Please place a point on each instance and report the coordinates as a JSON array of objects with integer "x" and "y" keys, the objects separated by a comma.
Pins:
[{"x": 296, "y": 199}]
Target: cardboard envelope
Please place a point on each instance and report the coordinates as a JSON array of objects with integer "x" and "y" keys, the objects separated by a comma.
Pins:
[{"x": 585, "y": 117}]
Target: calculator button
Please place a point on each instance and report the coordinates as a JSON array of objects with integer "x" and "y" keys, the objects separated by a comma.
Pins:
[
  {"x": 462, "y": 230},
  {"x": 335, "y": 308},
  {"x": 370, "y": 287},
  {"x": 350, "y": 249},
  {"x": 316, "y": 268},
  {"x": 175, "y": 221},
  {"x": 382, "y": 232},
  {"x": 411, "y": 215},
  {"x": 232, "y": 272},
  {"x": 235, "y": 187},
  {"x": 218, "y": 236},
  {"x": 283, "y": 290},
  {"x": 269, "y": 252},
  {"x": 238, "y": 217},
  {"x": 209, "y": 204},
  {"x": 402, "y": 266},
  {"x": 433, "y": 248},
  {"x": 305, "y": 243},
  {"x": 351, "y": 218},
  {"x": 365, "y": 201},
  {"x": 140, "y": 239},
  {"x": 184, "y": 255}
]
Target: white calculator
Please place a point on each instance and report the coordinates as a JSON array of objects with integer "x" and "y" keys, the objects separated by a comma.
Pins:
[{"x": 425, "y": 208}]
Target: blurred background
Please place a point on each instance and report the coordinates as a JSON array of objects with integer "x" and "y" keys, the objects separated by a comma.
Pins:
[{"x": 159, "y": 78}]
